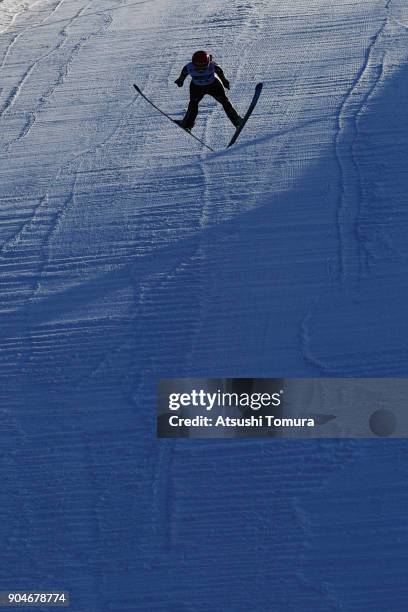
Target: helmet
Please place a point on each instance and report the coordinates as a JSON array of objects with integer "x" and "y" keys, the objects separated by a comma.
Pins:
[{"x": 201, "y": 58}]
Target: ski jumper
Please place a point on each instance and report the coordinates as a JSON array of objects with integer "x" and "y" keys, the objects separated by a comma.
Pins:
[{"x": 210, "y": 80}]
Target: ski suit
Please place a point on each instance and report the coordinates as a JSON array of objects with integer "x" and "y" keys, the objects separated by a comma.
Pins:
[{"x": 209, "y": 81}]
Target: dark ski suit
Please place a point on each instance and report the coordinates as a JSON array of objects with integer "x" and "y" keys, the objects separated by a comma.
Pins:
[{"x": 208, "y": 81}]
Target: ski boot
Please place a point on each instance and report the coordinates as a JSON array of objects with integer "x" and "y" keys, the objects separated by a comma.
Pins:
[
  {"x": 182, "y": 124},
  {"x": 238, "y": 122}
]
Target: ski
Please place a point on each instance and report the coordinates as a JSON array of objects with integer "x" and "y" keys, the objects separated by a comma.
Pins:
[
  {"x": 247, "y": 115},
  {"x": 139, "y": 91}
]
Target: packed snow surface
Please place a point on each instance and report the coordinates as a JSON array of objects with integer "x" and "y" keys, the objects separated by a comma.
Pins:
[{"x": 128, "y": 252}]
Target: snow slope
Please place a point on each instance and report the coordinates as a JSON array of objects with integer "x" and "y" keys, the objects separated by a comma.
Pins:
[{"x": 129, "y": 253}]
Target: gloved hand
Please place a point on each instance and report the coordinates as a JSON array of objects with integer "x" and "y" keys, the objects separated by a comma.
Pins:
[
  {"x": 226, "y": 84},
  {"x": 179, "y": 82}
]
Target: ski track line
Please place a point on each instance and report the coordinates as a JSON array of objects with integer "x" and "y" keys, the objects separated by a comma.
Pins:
[
  {"x": 14, "y": 240},
  {"x": 31, "y": 115},
  {"x": 354, "y": 165},
  {"x": 109, "y": 8},
  {"x": 26, "y": 9},
  {"x": 346, "y": 169},
  {"x": 9, "y": 49},
  {"x": 364, "y": 265},
  {"x": 200, "y": 256},
  {"x": 21, "y": 33},
  {"x": 102, "y": 362},
  {"x": 10, "y": 100},
  {"x": 54, "y": 10},
  {"x": 305, "y": 342},
  {"x": 399, "y": 23},
  {"x": 199, "y": 253},
  {"x": 63, "y": 73},
  {"x": 343, "y": 125},
  {"x": 122, "y": 122},
  {"x": 257, "y": 22},
  {"x": 370, "y": 255},
  {"x": 91, "y": 151},
  {"x": 27, "y": 354},
  {"x": 163, "y": 495},
  {"x": 54, "y": 226},
  {"x": 288, "y": 106},
  {"x": 254, "y": 23}
]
